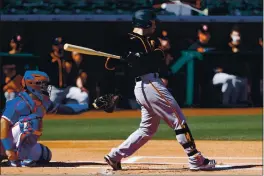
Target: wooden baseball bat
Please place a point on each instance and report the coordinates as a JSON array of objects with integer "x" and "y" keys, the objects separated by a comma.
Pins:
[{"x": 88, "y": 51}]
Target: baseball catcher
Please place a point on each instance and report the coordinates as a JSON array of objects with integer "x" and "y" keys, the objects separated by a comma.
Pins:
[
  {"x": 21, "y": 122},
  {"x": 144, "y": 62}
]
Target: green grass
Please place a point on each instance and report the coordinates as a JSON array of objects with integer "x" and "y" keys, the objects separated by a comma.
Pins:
[{"x": 203, "y": 128}]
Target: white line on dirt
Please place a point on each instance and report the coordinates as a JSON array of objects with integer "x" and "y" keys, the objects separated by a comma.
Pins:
[
  {"x": 178, "y": 163},
  {"x": 132, "y": 159},
  {"x": 179, "y": 157},
  {"x": 153, "y": 163},
  {"x": 108, "y": 171}
]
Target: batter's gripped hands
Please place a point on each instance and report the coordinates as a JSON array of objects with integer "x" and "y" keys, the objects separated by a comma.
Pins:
[{"x": 131, "y": 56}]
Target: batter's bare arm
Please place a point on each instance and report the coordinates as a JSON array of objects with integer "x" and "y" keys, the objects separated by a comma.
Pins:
[{"x": 5, "y": 141}]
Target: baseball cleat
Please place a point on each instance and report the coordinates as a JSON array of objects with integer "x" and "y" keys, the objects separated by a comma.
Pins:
[
  {"x": 207, "y": 165},
  {"x": 198, "y": 162},
  {"x": 28, "y": 163},
  {"x": 114, "y": 164},
  {"x": 2, "y": 157}
]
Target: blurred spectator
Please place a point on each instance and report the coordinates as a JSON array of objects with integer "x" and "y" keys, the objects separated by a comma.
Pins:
[
  {"x": 79, "y": 94},
  {"x": 257, "y": 75},
  {"x": 78, "y": 69},
  {"x": 68, "y": 85},
  {"x": 261, "y": 42},
  {"x": 69, "y": 72},
  {"x": 12, "y": 82},
  {"x": 235, "y": 43},
  {"x": 202, "y": 44},
  {"x": 82, "y": 81},
  {"x": 57, "y": 64},
  {"x": 97, "y": 89},
  {"x": 234, "y": 88},
  {"x": 77, "y": 58},
  {"x": 80, "y": 88},
  {"x": 81, "y": 75},
  {"x": 15, "y": 44},
  {"x": 79, "y": 64}
]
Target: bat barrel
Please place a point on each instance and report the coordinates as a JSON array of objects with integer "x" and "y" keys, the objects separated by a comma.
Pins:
[{"x": 88, "y": 51}]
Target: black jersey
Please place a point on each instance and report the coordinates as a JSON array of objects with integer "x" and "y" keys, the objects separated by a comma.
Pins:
[{"x": 150, "y": 59}]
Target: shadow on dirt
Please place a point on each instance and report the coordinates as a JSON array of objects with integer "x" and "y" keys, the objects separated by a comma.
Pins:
[
  {"x": 217, "y": 168},
  {"x": 62, "y": 164},
  {"x": 137, "y": 166}
]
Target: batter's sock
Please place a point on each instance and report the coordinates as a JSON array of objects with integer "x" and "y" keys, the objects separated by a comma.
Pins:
[{"x": 184, "y": 137}]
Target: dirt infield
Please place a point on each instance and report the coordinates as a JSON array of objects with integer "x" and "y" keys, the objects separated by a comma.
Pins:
[
  {"x": 189, "y": 112},
  {"x": 156, "y": 157}
]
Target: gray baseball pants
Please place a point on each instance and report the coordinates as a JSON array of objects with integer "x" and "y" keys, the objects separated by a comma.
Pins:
[{"x": 156, "y": 103}]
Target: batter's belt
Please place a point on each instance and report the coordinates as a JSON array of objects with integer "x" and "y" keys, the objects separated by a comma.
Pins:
[{"x": 139, "y": 78}]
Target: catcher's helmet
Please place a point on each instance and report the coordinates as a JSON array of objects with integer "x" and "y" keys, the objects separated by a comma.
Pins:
[
  {"x": 36, "y": 82},
  {"x": 142, "y": 18}
]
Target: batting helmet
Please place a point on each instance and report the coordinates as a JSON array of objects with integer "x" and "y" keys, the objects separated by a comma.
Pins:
[{"x": 142, "y": 18}]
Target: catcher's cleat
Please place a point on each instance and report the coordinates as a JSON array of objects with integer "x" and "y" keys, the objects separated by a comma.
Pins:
[
  {"x": 2, "y": 157},
  {"x": 14, "y": 163},
  {"x": 114, "y": 164},
  {"x": 28, "y": 163},
  {"x": 198, "y": 162}
]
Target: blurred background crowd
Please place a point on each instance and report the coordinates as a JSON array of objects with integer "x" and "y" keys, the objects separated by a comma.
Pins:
[
  {"x": 214, "y": 7},
  {"x": 211, "y": 64}
]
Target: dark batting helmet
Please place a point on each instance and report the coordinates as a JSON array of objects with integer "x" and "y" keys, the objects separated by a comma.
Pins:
[{"x": 142, "y": 18}]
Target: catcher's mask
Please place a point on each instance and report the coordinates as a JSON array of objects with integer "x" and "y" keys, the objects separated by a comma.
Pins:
[{"x": 36, "y": 82}]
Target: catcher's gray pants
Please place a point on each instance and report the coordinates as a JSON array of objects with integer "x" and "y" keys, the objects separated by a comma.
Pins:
[{"x": 156, "y": 103}]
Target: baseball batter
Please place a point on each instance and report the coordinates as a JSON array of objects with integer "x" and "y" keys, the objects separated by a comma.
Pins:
[
  {"x": 21, "y": 122},
  {"x": 156, "y": 101}
]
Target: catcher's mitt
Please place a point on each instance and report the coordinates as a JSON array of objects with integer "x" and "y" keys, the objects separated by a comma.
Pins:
[{"x": 107, "y": 102}]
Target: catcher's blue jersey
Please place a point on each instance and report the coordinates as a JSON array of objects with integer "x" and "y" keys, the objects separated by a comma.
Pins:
[{"x": 23, "y": 105}]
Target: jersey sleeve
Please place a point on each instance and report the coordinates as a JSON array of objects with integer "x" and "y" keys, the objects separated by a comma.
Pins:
[
  {"x": 13, "y": 109},
  {"x": 9, "y": 112}
]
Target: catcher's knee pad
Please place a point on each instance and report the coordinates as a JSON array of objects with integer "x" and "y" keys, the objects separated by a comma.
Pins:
[
  {"x": 184, "y": 136},
  {"x": 30, "y": 130},
  {"x": 45, "y": 156}
]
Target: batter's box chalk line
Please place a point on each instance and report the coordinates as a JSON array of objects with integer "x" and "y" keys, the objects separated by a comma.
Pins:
[
  {"x": 133, "y": 165},
  {"x": 179, "y": 157}
]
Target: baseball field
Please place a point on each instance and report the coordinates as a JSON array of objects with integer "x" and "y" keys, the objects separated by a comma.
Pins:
[{"x": 231, "y": 136}]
